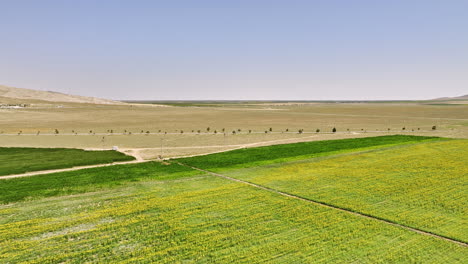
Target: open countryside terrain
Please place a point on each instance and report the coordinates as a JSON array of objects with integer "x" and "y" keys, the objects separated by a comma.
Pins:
[
  {"x": 276, "y": 132},
  {"x": 370, "y": 200},
  {"x": 241, "y": 182},
  {"x": 170, "y": 130}
]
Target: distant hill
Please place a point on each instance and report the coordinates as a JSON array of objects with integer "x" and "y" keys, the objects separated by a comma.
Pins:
[
  {"x": 463, "y": 97},
  {"x": 10, "y": 95}
]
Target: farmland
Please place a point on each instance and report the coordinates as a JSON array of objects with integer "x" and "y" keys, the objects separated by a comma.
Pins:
[
  {"x": 297, "y": 151},
  {"x": 20, "y": 160},
  {"x": 180, "y": 131},
  {"x": 153, "y": 212},
  {"x": 385, "y": 164},
  {"x": 421, "y": 185},
  {"x": 87, "y": 180}
]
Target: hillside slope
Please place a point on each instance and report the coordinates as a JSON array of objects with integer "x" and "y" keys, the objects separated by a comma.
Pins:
[
  {"x": 21, "y": 95},
  {"x": 463, "y": 97}
]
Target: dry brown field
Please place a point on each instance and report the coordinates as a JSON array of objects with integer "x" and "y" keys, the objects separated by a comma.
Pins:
[{"x": 173, "y": 130}]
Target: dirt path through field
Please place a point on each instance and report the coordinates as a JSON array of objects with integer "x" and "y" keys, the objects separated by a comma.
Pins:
[
  {"x": 389, "y": 222},
  {"x": 34, "y": 173}
]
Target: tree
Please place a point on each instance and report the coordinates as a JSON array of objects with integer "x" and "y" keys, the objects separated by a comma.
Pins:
[
  {"x": 38, "y": 132},
  {"x": 223, "y": 130},
  {"x": 56, "y": 131},
  {"x": 266, "y": 132},
  {"x": 250, "y": 131},
  {"x": 199, "y": 131},
  {"x": 147, "y": 132},
  {"x": 271, "y": 129},
  {"x": 300, "y": 131},
  {"x": 404, "y": 128},
  {"x": 181, "y": 131},
  {"x": 239, "y": 130},
  {"x": 208, "y": 129},
  {"x": 317, "y": 131},
  {"x": 215, "y": 131},
  {"x": 233, "y": 132},
  {"x": 334, "y": 130},
  {"x": 434, "y": 127},
  {"x": 287, "y": 129}
]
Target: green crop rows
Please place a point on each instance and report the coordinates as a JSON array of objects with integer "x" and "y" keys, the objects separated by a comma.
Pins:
[
  {"x": 280, "y": 153},
  {"x": 20, "y": 160}
]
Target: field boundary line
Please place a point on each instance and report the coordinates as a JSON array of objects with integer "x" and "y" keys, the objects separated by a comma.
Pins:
[{"x": 324, "y": 204}]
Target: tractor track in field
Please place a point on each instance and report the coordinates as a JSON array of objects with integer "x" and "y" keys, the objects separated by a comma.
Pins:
[{"x": 368, "y": 216}]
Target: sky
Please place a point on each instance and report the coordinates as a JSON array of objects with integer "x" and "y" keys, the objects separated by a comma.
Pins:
[{"x": 237, "y": 50}]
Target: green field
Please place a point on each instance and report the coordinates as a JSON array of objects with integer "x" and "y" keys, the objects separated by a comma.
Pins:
[
  {"x": 20, "y": 160},
  {"x": 86, "y": 180},
  {"x": 288, "y": 152},
  {"x": 422, "y": 185},
  {"x": 153, "y": 212}
]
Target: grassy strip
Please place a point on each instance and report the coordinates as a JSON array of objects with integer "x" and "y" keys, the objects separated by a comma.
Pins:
[
  {"x": 21, "y": 160},
  {"x": 288, "y": 152},
  {"x": 86, "y": 180}
]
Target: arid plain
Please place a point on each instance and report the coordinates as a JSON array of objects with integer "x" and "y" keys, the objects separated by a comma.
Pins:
[{"x": 180, "y": 129}]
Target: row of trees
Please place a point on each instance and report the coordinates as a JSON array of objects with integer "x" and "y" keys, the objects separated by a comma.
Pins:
[{"x": 147, "y": 132}]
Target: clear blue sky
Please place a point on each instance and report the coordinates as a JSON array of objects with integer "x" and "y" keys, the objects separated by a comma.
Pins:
[{"x": 398, "y": 49}]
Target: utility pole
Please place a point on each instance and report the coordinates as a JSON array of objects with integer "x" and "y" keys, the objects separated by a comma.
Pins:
[{"x": 162, "y": 139}]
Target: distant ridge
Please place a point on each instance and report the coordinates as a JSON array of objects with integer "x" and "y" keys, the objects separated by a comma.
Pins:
[
  {"x": 20, "y": 95},
  {"x": 463, "y": 97}
]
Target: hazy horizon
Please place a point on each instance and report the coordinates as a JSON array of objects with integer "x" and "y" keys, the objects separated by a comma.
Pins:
[{"x": 243, "y": 50}]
